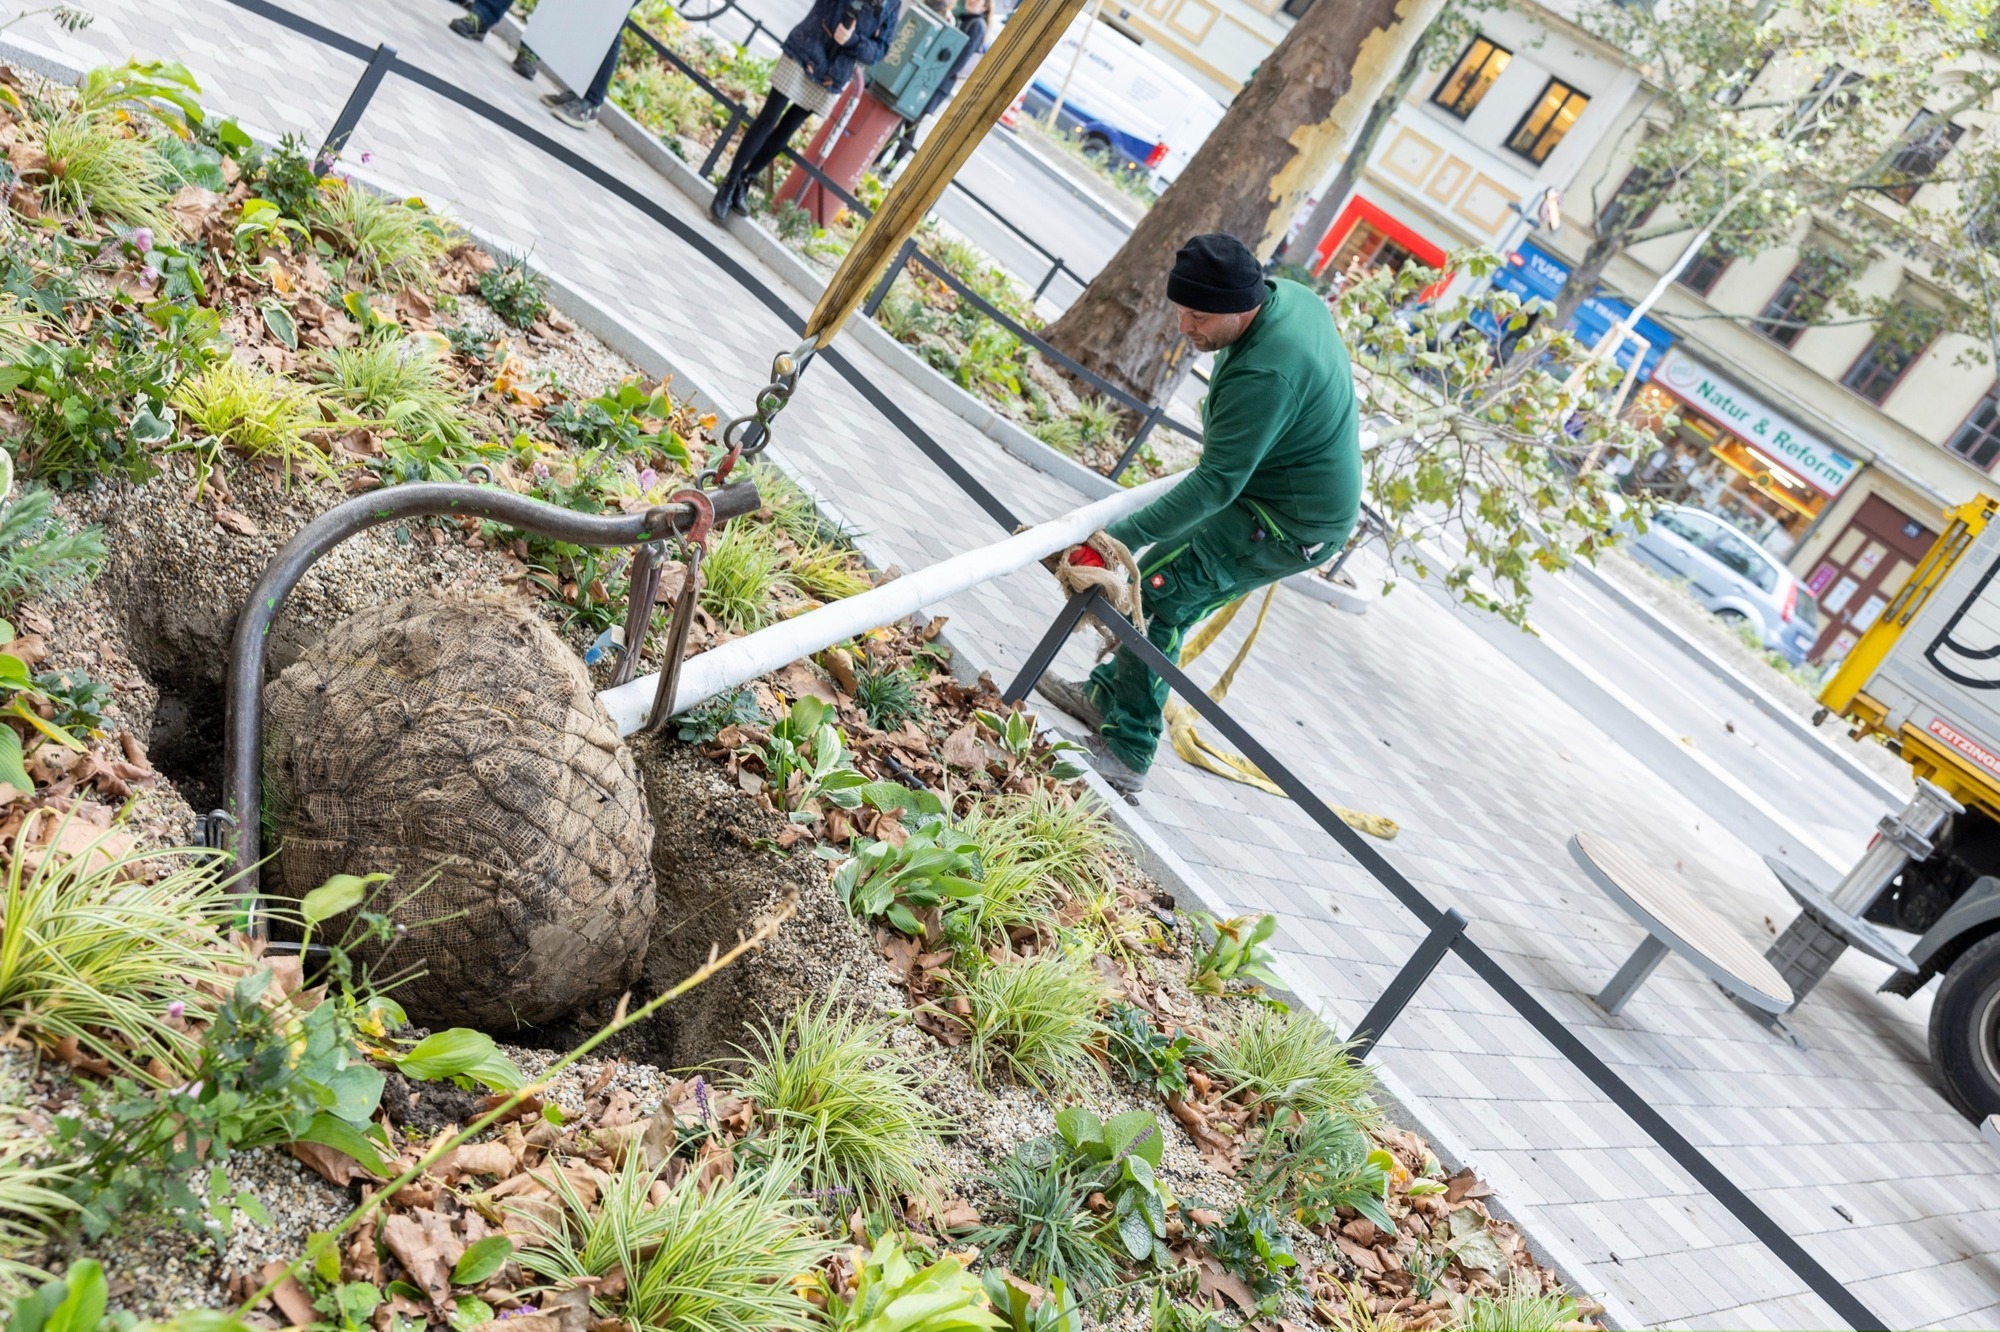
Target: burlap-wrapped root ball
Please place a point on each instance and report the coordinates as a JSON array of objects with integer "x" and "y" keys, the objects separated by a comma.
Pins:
[{"x": 459, "y": 738}]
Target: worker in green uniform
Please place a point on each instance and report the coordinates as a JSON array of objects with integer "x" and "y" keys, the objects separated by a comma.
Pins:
[{"x": 1277, "y": 490}]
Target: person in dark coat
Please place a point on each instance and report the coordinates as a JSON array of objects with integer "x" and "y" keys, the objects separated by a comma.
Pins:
[
  {"x": 819, "y": 57},
  {"x": 972, "y": 22}
]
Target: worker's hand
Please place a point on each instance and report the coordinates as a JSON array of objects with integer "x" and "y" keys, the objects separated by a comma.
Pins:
[
  {"x": 1084, "y": 555},
  {"x": 842, "y": 34}
]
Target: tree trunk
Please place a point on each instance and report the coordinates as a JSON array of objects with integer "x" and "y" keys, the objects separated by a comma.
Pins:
[
  {"x": 1281, "y": 136},
  {"x": 1357, "y": 156}
]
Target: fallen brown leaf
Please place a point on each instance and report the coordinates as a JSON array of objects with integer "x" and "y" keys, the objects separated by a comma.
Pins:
[{"x": 290, "y": 1296}]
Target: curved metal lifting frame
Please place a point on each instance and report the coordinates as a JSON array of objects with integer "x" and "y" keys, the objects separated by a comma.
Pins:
[{"x": 237, "y": 826}]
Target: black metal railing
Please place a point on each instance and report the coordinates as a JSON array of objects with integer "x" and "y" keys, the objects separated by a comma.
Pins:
[
  {"x": 1057, "y": 266},
  {"x": 1445, "y": 930},
  {"x": 1151, "y": 415}
]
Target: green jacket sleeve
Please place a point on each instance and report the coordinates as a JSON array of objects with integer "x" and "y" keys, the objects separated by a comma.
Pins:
[{"x": 1244, "y": 418}]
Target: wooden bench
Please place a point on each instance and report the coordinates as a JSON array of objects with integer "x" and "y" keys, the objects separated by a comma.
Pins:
[{"x": 1676, "y": 922}]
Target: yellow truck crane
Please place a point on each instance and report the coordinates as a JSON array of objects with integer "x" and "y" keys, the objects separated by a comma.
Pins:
[{"x": 1925, "y": 678}]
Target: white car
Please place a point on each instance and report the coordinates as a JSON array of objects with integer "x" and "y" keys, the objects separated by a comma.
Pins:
[{"x": 1738, "y": 581}]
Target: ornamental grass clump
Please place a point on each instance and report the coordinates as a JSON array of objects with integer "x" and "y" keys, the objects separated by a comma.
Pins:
[
  {"x": 32, "y": 1203},
  {"x": 741, "y": 577},
  {"x": 259, "y": 414},
  {"x": 91, "y": 951},
  {"x": 852, "y": 1110},
  {"x": 402, "y": 382},
  {"x": 1048, "y": 1233},
  {"x": 392, "y": 242},
  {"x": 1065, "y": 841},
  {"x": 1291, "y": 1060},
  {"x": 720, "y": 1260},
  {"x": 1038, "y": 1018},
  {"x": 100, "y": 171}
]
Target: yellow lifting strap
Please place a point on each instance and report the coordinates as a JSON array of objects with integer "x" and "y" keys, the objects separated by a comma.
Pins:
[
  {"x": 1195, "y": 749},
  {"x": 1032, "y": 31}
]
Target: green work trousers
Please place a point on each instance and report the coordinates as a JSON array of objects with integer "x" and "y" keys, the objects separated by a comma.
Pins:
[{"x": 1185, "y": 583}]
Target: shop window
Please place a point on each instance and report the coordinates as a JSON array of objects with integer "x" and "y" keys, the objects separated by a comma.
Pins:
[
  {"x": 1978, "y": 440},
  {"x": 1472, "y": 77},
  {"x": 1897, "y": 344},
  {"x": 1366, "y": 249},
  {"x": 1704, "y": 271},
  {"x": 1926, "y": 140},
  {"x": 1801, "y": 298},
  {"x": 1548, "y": 121}
]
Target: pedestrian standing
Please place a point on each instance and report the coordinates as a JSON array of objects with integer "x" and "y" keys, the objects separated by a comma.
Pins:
[
  {"x": 971, "y": 19},
  {"x": 1277, "y": 490},
  {"x": 819, "y": 58},
  {"x": 478, "y": 20},
  {"x": 577, "y": 112}
]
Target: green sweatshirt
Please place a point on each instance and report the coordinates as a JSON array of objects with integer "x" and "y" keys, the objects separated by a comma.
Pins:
[{"x": 1279, "y": 433}]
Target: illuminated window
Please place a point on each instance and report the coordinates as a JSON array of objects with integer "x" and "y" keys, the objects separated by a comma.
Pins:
[
  {"x": 1543, "y": 128},
  {"x": 1471, "y": 77}
]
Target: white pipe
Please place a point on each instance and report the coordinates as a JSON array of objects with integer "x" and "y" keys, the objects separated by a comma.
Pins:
[{"x": 744, "y": 659}]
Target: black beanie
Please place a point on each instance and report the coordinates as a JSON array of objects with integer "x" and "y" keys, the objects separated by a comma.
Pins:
[{"x": 1216, "y": 274}]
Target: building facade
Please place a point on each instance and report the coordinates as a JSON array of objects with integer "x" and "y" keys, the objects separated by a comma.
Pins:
[
  {"x": 1836, "y": 448},
  {"x": 1477, "y": 140},
  {"x": 1217, "y": 43}
]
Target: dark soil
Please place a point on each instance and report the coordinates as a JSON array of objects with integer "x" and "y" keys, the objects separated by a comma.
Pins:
[{"x": 717, "y": 875}]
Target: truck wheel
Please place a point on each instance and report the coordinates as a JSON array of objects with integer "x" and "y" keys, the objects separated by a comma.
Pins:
[{"x": 1965, "y": 1030}]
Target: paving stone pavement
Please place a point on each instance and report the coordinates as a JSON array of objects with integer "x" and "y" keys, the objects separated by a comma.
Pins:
[{"x": 1404, "y": 711}]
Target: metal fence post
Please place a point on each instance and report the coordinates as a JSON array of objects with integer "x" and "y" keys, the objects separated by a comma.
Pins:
[
  {"x": 1132, "y": 450},
  {"x": 1045, "y": 651},
  {"x": 1407, "y": 982},
  {"x": 722, "y": 141},
  {"x": 1047, "y": 278},
  {"x": 894, "y": 271},
  {"x": 357, "y": 102}
]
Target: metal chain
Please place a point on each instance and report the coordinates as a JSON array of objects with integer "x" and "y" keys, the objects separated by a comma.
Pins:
[{"x": 748, "y": 436}]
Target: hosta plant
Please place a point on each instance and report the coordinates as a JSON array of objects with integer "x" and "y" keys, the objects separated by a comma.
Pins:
[{"x": 893, "y": 1294}]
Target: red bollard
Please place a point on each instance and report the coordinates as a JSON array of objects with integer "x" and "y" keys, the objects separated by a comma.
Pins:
[{"x": 853, "y": 132}]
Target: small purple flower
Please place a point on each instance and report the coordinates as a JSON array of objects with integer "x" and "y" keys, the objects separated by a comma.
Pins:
[
  {"x": 175, "y": 1009},
  {"x": 186, "y": 1089},
  {"x": 647, "y": 477},
  {"x": 521, "y": 1311},
  {"x": 366, "y": 158},
  {"x": 142, "y": 239},
  {"x": 541, "y": 471},
  {"x": 150, "y": 274},
  {"x": 701, "y": 1097}
]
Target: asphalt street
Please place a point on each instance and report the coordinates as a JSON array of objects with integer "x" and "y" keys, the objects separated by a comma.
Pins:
[{"x": 1776, "y": 790}]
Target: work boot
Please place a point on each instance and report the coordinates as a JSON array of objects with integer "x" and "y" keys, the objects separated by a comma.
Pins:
[
  {"x": 1073, "y": 697},
  {"x": 468, "y": 25},
  {"x": 575, "y": 113},
  {"x": 1121, "y": 776},
  {"x": 725, "y": 198},
  {"x": 526, "y": 62}
]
